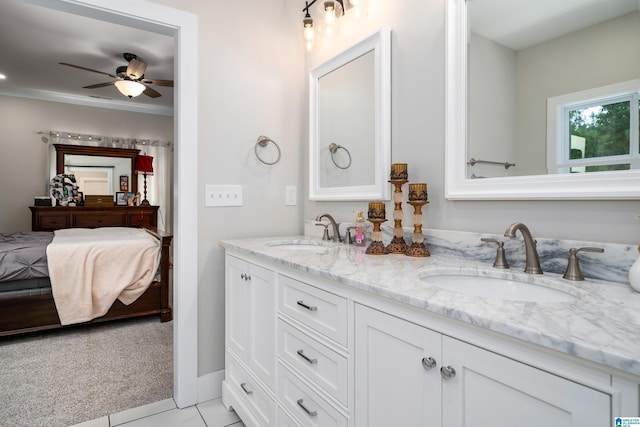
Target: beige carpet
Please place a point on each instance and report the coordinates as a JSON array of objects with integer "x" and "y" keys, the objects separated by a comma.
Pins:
[{"x": 64, "y": 377}]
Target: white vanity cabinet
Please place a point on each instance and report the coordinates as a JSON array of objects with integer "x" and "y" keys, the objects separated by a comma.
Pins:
[
  {"x": 250, "y": 317},
  {"x": 305, "y": 350},
  {"x": 406, "y": 374}
]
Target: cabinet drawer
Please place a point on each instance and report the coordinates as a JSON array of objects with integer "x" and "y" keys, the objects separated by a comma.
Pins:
[
  {"x": 323, "y": 366},
  {"x": 286, "y": 420},
  {"x": 255, "y": 398},
  {"x": 143, "y": 219},
  {"x": 317, "y": 309},
  {"x": 305, "y": 404},
  {"x": 99, "y": 220},
  {"x": 53, "y": 221}
]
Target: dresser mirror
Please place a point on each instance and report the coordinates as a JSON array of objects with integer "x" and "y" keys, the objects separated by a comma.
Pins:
[
  {"x": 535, "y": 97},
  {"x": 98, "y": 170},
  {"x": 350, "y": 122}
]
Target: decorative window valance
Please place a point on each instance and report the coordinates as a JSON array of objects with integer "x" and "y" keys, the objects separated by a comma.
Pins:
[{"x": 75, "y": 138}]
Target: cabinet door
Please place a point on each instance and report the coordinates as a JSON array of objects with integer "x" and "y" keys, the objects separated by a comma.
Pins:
[
  {"x": 393, "y": 387},
  {"x": 237, "y": 307},
  {"x": 262, "y": 314},
  {"x": 489, "y": 390},
  {"x": 251, "y": 316}
]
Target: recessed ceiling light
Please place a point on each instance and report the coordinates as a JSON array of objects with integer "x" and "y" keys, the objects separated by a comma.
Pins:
[{"x": 2, "y": 76}]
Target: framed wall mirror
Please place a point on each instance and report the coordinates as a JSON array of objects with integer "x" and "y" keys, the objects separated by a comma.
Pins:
[
  {"x": 542, "y": 103},
  {"x": 350, "y": 123},
  {"x": 98, "y": 170}
]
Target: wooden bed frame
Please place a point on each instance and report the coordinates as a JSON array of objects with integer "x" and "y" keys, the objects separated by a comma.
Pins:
[{"x": 38, "y": 312}]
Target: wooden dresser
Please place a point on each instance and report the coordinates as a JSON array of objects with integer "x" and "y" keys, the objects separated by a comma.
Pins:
[{"x": 46, "y": 218}]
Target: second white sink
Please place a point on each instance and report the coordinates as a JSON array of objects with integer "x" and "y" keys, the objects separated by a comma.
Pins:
[{"x": 501, "y": 285}]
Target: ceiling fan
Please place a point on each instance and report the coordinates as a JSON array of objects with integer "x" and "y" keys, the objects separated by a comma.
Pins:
[{"x": 130, "y": 80}]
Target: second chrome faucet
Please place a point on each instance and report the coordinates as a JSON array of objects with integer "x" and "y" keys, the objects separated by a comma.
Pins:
[{"x": 532, "y": 262}]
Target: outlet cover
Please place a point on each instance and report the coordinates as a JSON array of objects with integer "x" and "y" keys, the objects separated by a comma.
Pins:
[{"x": 290, "y": 198}]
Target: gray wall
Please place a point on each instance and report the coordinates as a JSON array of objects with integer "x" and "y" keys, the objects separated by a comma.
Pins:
[
  {"x": 596, "y": 56},
  {"x": 418, "y": 77},
  {"x": 251, "y": 67},
  {"x": 253, "y": 81}
]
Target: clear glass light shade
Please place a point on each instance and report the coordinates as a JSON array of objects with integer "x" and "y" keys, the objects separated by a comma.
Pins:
[
  {"x": 308, "y": 29},
  {"x": 130, "y": 88},
  {"x": 357, "y": 10},
  {"x": 329, "y": 24}
]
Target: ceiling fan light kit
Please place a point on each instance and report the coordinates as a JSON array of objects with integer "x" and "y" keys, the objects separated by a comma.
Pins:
[
  {"x": 130, "y": 88},
  {"x": 130, "y": 79}
]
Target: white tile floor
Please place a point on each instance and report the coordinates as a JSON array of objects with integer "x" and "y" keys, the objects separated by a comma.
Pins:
[{"x": 165, "y": 414}]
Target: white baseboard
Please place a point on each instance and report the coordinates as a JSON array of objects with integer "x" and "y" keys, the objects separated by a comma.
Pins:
[{"x": 210, "y": 386}]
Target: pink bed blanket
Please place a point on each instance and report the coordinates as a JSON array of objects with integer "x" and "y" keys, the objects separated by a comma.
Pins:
[{"x": 91, "y": 268}]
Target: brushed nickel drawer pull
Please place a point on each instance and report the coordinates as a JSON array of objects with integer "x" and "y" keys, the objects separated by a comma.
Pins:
[
  {"x": 310, "y": 413},
  {"x": 307, "y": 358},
  {"x": 245, "y": 389},
  {"x": 310, "y": 308}
]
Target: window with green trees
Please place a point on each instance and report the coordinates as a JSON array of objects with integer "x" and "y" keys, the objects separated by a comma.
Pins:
[{"x": 602, "y": 135}]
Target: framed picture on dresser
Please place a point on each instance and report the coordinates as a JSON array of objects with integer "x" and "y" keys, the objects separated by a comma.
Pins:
[
  {"x": 124, "y": 183},
  {"x": 121, "y": 198}
]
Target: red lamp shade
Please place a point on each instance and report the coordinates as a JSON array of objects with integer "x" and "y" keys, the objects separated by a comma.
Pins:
[{"x": 144, "y": 164}]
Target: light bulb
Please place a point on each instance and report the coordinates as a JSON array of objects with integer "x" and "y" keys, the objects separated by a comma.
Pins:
[
  {"x": 308, "y": 28},
  {"x": 329, "y": 13}
]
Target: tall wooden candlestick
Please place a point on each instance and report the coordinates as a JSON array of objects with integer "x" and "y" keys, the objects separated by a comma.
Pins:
[
  {"x": 399, "y": 176},
  {"x": 417, "y": 199}
]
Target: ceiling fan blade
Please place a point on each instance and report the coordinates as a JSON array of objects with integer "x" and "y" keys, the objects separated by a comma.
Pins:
[
  {"x": 98, "y": 85},
  {"x": 136, "y": 69},
  {"x": 156, "y": 82},
  {"x": 87, "y": 69},
  {"x": 151, "y": 92}
]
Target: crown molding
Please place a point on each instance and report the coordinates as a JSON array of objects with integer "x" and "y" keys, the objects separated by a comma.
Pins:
[{"x": 87, "y": 101}]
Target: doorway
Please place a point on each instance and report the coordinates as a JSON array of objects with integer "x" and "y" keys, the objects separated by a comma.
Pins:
[{"x": 183, "y": 26}]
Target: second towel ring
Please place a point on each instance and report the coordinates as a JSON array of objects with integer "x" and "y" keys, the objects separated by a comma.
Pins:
[
  {"x": 263, "y": 141},
  {"x": 333, "y": 148}
]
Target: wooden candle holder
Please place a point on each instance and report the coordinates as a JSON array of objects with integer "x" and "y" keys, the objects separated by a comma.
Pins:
[
  {"x": 417, "y": 198},
  {"x": 399, "y": 177},
  {"x": 376, "y": 215}
]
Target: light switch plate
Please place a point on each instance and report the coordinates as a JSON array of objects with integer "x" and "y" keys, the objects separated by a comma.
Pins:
[
  {"x": 290, "y": 195},
  {"x": 223, "y": 195}
]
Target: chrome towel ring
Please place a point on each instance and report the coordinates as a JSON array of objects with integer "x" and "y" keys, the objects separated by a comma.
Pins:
[
  {"x": 263, "y": 141},
  {"x": 333, "y": 148}
]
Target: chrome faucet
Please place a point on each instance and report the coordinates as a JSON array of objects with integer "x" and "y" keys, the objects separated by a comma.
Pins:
[
  {"x": 532, "y": 262},
  {"x": 336, "y": 227}
]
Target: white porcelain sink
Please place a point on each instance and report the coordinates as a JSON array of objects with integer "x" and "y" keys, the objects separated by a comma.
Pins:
[
  {"x": 301, "y": 244},
  {"x": 502, "y": 285}
]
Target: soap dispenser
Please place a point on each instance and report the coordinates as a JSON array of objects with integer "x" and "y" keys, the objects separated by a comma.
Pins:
[{"x": 360, "y": 229}]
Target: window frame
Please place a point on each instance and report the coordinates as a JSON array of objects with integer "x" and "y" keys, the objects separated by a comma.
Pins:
[{"x": 558, "y": 108}]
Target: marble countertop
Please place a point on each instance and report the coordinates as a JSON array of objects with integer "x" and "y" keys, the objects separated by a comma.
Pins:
[{"x": 601, "y": 325}]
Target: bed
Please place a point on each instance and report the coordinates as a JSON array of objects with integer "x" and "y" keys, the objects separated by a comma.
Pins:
[{"x": 26, "y": 297}]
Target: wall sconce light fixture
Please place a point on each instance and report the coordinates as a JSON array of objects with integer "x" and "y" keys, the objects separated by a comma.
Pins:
[{"x": 330, "y": 10}]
